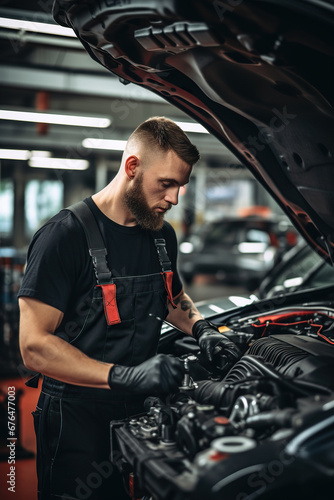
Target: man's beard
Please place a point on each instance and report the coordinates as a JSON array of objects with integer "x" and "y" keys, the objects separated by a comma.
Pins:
[{"x": 135, "y": 201}]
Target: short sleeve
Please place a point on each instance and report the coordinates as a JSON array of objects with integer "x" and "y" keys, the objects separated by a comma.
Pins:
[{"x": 55, "y": 257}]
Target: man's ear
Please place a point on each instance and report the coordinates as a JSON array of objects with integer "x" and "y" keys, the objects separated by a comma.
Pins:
[{"x": 131, "y": 164}]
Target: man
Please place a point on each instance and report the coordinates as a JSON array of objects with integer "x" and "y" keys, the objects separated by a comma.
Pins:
[{"x": 89, "y": 315}]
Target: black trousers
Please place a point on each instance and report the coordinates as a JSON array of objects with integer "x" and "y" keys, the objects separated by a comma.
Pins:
[{"x": 73, "y": 448}]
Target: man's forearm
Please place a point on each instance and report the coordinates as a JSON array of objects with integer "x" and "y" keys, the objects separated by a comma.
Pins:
[
  {"x": 44, "y": 352},
  {"x": 58, "y": 359},
  {"x": 185, "y": 315}
]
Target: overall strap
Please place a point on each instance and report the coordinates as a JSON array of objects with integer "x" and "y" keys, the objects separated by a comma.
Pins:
[
  {"x": 98, "y": 252},
  {"x": 165, "y": 263},
  {"x": 97, "y": 249},
  {"x": 160, "y": 245}
]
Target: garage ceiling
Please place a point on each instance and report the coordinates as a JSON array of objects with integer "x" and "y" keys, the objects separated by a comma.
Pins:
[{"x": 54, "y": 72}]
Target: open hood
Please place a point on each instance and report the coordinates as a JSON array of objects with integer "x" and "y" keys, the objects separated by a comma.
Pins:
[{"x": 259, "y": 75}]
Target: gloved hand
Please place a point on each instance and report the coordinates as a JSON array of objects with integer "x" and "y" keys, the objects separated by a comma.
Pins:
[
  {"x": 212, "y": 343},
  {"x": 160, "y": 374}
]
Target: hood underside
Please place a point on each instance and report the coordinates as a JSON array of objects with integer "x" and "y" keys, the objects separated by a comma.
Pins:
[{"x": 259, "y": 75}]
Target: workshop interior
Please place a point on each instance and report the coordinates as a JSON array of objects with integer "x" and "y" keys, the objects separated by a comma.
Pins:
[{"x": 251, "y": 83}]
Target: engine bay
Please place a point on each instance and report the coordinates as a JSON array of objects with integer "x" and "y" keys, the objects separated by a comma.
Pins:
[{"x": 263, "y": 429}]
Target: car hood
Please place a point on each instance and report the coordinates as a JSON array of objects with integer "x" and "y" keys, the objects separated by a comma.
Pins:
[{"x": 257, "y": 74}]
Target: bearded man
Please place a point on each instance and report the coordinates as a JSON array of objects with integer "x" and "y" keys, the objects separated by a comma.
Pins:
[{"x": 97, "y": 274}]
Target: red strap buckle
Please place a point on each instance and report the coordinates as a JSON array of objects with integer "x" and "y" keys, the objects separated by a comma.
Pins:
[
  {"x": 110, "y": 304},
  {"x": 168, "y": 282}
]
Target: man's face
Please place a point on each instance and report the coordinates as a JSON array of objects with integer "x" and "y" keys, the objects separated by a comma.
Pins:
[{"x": 155, "y": 189}]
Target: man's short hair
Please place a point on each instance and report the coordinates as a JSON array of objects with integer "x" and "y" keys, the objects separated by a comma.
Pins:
[{"x": 165, "y": 134}]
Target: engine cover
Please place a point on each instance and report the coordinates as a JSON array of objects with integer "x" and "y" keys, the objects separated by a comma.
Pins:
[{"x": 298, "y": 356}]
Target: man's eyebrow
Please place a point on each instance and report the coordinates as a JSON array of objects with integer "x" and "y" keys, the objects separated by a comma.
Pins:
[{"x": 173, "y": 181}]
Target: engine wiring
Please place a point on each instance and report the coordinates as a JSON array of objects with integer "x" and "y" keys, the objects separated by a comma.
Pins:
[
  {"x": 277, "y": 320},
  {"x": 300, "y": 309}
]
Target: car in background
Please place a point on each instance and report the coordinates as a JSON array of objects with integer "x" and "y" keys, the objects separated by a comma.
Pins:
[
  {"x": 300, "y": 268},
  {"x": 236, "y": 250}
]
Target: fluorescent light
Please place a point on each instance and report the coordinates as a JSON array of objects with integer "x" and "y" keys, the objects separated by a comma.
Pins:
[
  {"x": 36, "y": 27},
  {"x": 58, "y": 119},
  {"x": 91, "y": 143},
  {"x": 192, "y": 127},
  {"x": 21, "y": 154},
  {"x": 42, "y": 159},
  {"x": 40, "y": 154},
  {"x": 59, "y": 163},
  {"x": 14, "y": 154}
]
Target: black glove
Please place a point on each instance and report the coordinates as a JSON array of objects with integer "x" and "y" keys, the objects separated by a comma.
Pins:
[
  {"x": 160, "y": 374},
  {"x": 212, "y": 343}
]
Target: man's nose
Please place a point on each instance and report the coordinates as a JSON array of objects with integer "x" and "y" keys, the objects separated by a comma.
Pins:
[{"x": 172, "y": 195}]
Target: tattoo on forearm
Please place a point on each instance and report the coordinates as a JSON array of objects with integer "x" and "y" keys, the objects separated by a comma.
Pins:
[{"x": 187, "y": 305}]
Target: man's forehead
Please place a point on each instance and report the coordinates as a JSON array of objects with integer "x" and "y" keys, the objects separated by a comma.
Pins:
[
  {"x": 177, "y": 174},
  {"x": 173, "y": 167}
]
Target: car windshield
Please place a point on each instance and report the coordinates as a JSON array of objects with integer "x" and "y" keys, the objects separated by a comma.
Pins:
[
  {"x": 232, "y": 233},
  {"x": 305, "y": 269},
  {"x": 224, "y": 234}
]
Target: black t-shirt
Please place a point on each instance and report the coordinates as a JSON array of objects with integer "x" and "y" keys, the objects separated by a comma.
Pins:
[{"x": 59, "y": 268}]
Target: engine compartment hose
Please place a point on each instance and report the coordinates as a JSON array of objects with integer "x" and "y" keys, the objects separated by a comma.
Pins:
[{"x": 272, "y": 373}]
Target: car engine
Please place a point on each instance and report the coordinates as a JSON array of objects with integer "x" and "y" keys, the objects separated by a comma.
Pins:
[{"x": 262, "y": 430}]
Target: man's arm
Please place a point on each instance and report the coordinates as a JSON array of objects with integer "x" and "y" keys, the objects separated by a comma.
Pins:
[
  {"x": 187, "y": 318},
  {"x": 43, "y": 352},
  {"x": 185, "y": 315}
]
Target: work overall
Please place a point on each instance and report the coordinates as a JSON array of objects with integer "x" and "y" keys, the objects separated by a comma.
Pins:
[{"x": 72, "y": 422}]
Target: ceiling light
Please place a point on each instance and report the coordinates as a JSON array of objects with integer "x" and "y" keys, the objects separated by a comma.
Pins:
[
  {"x": 43, "y": 159},
  {"x": 109, "y": 144},
  {"x": 14, "y": 154},
  {"x": 192, "y": 127},
  {"x": 59, "y": 163},
  {"x": 40, "y": 154},
  {"x": 54, "y": 118},
  {"x": 21, "y": 154},
  {"x": 36, "y": 27}
]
